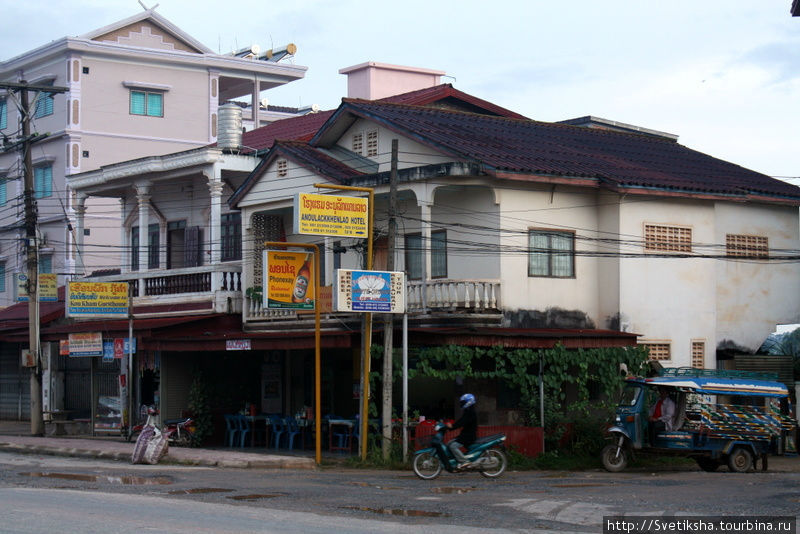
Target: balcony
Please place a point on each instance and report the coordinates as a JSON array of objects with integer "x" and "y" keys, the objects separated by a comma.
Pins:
[
  {"x": 463, "y": 297},
  {"x": 218, "y": 288}
]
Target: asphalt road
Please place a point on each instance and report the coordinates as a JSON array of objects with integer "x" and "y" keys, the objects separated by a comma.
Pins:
[{"x": 41, "y": 494}]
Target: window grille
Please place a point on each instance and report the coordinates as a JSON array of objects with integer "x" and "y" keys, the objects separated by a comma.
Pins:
[
  {"x": 282, "y": 168},
  {"x": 746, "y": 246},
  {"x": 372, "y": 143},
  {"x": 658, "y": 351},
  {"x": 358, "y": 143},
  {"x": 659, "y": 238},
  {"x": 698, "y": 354}
]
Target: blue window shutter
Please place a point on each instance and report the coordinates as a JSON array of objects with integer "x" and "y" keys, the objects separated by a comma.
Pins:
[
  {"x": 3, "y": 114},
  {"x": 43, "y": 182},
  {"x": 46, "y": 264},
  {"x": 3, "y": 192},
  {"x": 2, "y": 277},
  {"x": 37, "y": 182},
  {"x": 44, "y": 105},
  {"x": 155, "y": 104},
  {"x": 137, "y": 103}
]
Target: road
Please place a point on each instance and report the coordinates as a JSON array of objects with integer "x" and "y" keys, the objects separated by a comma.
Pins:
[{"x": 40, "y": 494}]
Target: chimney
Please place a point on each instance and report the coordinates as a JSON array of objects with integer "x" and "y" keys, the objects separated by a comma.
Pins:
[{"x": 372, "y": 80}]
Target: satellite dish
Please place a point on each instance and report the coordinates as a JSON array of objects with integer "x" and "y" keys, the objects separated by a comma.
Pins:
[
  {"x": 314, "y": 108},
  {"x": 264, "y": 102},
  {"x": 255, "y": 49}
]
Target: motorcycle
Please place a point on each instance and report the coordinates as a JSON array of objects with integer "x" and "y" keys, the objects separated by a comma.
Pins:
[
  {"x": 179, "y": 432},
  {"x": 485, "y": 456}
]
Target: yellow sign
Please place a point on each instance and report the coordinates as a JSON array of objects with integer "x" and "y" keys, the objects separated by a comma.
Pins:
[
  {"x": 289, "y": 280},
  {"x": 331, "y": 215},
  {"x": 97, "y": 299},
  {"x": 48, "y": 287}
]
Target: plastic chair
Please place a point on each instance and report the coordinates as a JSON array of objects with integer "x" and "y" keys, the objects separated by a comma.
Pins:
[
  {"x": 231, "y": 430},
  {"x": 244, "y": 429},
  {"x": 277, "y": 428},
  {"x": 292, "y": 431}
]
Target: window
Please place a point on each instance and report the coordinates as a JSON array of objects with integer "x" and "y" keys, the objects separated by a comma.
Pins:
[
  {"x": 44, "y": 105},
  {"x": 153, "y": 249},
  {"x": 282, "y": 168},
  {"x": 414, "y": 249},
  {"x": 698, "y": 354},
  {"x": 3, "y": 114},
  {"x": 372, "y": 143},
  {"x": 134, "y": 248},
  {"x": 358, "y": 143},
  {"x": 43, "y": 181},
  {"x": 46, "y": 264},
  {"x": 667, "y": 238},
  {"x": 746, "y": 246},
  {"x": 2, "y": 277},
  {"x": 658, "y": 351},
  {"x": 551, "y": 254},
  {"x": 147, "y": 103},
  {"x": 3, "y": 191},
  {"x": 231, "y": 236}
]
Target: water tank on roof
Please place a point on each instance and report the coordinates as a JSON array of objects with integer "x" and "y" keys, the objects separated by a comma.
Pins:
[{"x": 229, "y": 127}]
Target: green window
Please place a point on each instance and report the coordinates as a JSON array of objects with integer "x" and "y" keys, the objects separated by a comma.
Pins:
[
  {"x": 3, "y": 114},
  {"x": 551, "y": 254},
  {"x": 2, "y": 277},
  {"x": 3, "y": 191},
  {"x": 147, "y": 103},
  {"x": 43, "y": 181},
  {"x": 44, "y": 105},
  {"x": 46, "y": 264}
]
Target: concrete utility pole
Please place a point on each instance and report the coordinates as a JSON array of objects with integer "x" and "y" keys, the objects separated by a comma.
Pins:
[
  {"x": 388, "y": 325},
  {"x": 32, "y": 246}
]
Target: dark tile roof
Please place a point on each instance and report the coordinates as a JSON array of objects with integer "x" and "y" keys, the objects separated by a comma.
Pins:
[
  {"x": 294, "y": 128},
  {"x": 614, "y": 159},
  {"x": 448, "y": 97}
]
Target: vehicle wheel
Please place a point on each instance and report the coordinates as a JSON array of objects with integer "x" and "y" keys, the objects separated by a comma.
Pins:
[
  {"x": 707, "y": 464},
  {"x": 495, "y": 461},
  {"x": 427, "y": 465},
  {"x": 615, "y": 458},
  {"x": 740, "y": 460},
  {"x": 184, "y": 440}
]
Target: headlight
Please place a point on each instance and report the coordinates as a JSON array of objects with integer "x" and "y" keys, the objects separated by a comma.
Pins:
[{"x": 617, "y": 420}]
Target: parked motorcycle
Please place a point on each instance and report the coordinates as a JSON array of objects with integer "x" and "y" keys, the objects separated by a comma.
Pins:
[
  {"x": 485, "y": 456},
  {"x": 179, "y": 432}
]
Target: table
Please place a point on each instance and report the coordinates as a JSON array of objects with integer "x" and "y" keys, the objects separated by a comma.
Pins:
[
  {"x": 349, "y": 423},
  {"x": 253, "y": 420}
]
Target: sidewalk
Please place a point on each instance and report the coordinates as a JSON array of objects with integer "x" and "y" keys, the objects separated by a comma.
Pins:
[{"x": 15, "y": 437}]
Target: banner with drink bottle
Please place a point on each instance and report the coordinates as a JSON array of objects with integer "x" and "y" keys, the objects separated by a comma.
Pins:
[{"x": 288, "y": 279}]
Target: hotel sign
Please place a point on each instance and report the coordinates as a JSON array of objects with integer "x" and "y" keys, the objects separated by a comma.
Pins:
[
  {"x": 97, "y": 299},
  {"x": 331, "y": 215}
]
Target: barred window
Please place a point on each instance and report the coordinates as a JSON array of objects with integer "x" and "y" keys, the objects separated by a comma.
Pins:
[
  {"x": 659, "y": 238},
  {"x": 746, "y": 246},
  {"x": 658, "y": 351},
  {"x": 358, "y": 143},
  {"x": 372, "y": 143},
  {"x": 698, "y": 354}
]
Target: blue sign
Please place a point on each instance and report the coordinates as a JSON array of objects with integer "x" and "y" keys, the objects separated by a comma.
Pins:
[
  {"x": 115, "y": 348},
  {"x": 372, "y": 291}
]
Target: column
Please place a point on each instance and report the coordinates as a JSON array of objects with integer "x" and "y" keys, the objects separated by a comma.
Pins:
[
  {"x": 425, "y": 230},
  {"x": 80, "y": 213},
  {"x": 143, "y": 198},
  {"x": 214, "y": 239}
]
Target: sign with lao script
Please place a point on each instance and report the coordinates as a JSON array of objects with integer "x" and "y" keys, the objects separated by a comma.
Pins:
[
  {"x": 288, "y": 280},
  {"x": 331, "y": 215},
  {"x": 97, "y": 299},
  {"x": 85, "y": 344},
  {"x": 48, "y": 287},
  {"x": 370, "y": 291}
]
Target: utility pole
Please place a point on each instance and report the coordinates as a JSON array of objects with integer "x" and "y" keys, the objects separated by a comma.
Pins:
[
  {"x": 388, "y": 324},
  {"x": 32, "y": 245}
]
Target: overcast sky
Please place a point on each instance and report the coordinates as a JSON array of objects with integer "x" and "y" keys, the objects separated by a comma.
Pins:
[{"x": 724, "y": 75}]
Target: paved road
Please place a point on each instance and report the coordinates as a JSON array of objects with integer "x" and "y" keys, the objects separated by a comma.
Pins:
[{"x": 347, "y": 500}]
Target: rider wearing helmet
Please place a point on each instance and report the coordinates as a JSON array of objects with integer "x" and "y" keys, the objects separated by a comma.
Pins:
[{"x": 468, "y": 423}]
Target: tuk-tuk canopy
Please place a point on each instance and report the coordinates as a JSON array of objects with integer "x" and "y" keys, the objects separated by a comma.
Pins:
[{"x": 719, "y": 382}]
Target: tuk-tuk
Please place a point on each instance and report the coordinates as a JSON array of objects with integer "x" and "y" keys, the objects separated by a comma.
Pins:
[{"x": 720, "y": 417}]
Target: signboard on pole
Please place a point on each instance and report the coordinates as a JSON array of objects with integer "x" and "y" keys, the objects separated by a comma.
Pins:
[
  {"x": 370, "y": 291},
  {"x": 97, "y": 299},
  {"x": 288, "y": 279},
  {"x": 48, "y": 287},
  {"x": 115, "y": 349},
  {"x": 331, "y": 215},
  {"x": 86, "y": 344}
]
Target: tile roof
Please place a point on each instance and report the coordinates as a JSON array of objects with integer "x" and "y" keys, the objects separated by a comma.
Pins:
[
  {"x": 294, "y": 128},
  {"x": 525, "y": 147},
  {"x": 447, "y": 96}
]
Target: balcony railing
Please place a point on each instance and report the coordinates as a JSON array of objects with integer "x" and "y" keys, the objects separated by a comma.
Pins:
[
  {"x": 204, "y": 279},
  {"x": 467, "y": 296},
  {"x": 452, "y": 295}
]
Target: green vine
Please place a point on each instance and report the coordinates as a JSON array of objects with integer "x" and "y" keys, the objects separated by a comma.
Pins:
[{"x": 199, "y": 407}]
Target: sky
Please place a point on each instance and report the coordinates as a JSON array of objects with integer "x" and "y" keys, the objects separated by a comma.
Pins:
[{"x": 723, "y": 75}]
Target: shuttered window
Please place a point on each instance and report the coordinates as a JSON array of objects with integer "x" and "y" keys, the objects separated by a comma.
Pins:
[
  {"x": 153, "y": 246},
  {"x": 46, "y": 264},
  {"x": 44, "y": 105},
  {"x": 147, "y": 103},
  {"x": 3, "y": 114},
  {"x": 3, "y": 191},
  {"x": 43, "y": 181},
  {"x": 135, "y": 248},
  {"x": 231, "y": 235},
  {"x": 2, "y": 277}
]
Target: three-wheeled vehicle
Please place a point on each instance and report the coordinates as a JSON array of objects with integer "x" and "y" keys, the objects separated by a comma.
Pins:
[{"x": 731, "y": 417}]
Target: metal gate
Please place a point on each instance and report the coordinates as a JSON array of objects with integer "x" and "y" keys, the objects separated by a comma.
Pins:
[{"x": 15, "y": 384}]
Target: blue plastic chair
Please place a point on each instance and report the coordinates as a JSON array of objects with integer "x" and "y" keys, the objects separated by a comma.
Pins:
[
  {"x": 277, "y": 428},
  {"x": 244, "y": 429},
  {"x": 231, "y": 430},
  {"x": 292, "y": 431}
]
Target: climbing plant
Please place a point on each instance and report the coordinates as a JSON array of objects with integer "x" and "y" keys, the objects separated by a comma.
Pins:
[{"x": 199, "y": 406}]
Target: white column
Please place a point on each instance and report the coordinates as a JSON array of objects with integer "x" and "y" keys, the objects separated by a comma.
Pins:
[
  {"x": 425, "y": 230},
  {"x": 143, "y": 198},
  {"x": 80, "y": 213},
  {"x": 214, "y": 240},
  {"x": 125, "y": 239}
]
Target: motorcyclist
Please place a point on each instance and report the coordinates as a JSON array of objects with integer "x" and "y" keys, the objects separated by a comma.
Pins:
[{"x": 468, "y": 423}]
